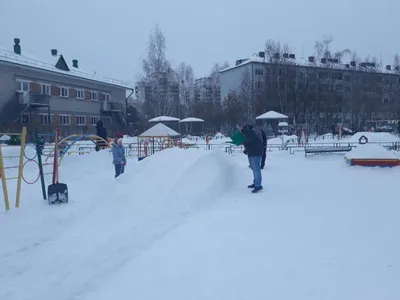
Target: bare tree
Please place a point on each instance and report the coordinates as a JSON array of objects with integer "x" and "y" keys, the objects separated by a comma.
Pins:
[
  {"x": 156, "y": 60},
  {"x": 186, "y": 81}
]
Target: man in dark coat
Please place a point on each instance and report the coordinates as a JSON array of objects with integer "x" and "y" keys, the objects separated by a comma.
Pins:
[
  {"x": 101, "y": 131},
  {"x": 253, "y": 144},
  {"x": 264, "y": 155}
]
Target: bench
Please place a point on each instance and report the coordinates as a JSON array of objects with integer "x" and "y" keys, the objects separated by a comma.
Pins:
[{"x": 326, "y": 149}]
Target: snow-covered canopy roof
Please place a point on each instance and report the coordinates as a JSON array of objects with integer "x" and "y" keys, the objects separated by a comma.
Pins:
[
  {"x": 164, "y": 119},
  {"x": 283, "y": 124},
  {"x": 271, "y": 115},
  {"x": 191, "y": 120},
  {"x": 159, "y": 130},
  {"x": 50, "y": 65},
  {"x": 5, "y": 138}
]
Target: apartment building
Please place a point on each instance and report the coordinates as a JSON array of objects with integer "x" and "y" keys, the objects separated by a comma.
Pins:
[
  {"x": 355, "y": 94},
  {"x": 56, "y": 94}
]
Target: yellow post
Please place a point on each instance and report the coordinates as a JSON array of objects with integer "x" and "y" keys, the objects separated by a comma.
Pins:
[
  {"x": 4, "y": 181},
  {"x": 20, "y": 167}
]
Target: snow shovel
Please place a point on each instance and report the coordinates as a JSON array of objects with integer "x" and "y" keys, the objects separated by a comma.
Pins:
[
  {"x": 57, "y": 192},
  {"x": 237, "y": 138}
]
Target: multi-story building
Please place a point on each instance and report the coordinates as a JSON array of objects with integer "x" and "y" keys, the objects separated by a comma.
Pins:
[
  {"x": 321, "y": 92},
  {"x": 161, "y": 92},
  {"x": 44, "y": 96}
]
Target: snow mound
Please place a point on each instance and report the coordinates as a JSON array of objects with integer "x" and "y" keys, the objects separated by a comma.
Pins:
[
  {"x": 278, "y": 140},
  {"x": 370, "y": 151},
  {"x": 374, "y": 137}
]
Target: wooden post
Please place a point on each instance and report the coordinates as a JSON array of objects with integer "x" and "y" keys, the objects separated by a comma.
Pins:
[
  {"x": 4, "y": 182},
  {"x": 21, "y": 166}
]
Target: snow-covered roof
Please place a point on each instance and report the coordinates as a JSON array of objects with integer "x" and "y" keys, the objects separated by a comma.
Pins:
[
  {"x": 283, "y": 124},
  {"x": 375, "y": 137},
  {"x": 271, "y": 115},
  {"x": 5, "y": 138},
  {"x": 30, "y": 61},
  {"x": 306, "y": 63},
  {"x": 159, "y": 130},
  {"x": 191, "y": 120},
  {"x": 164, "y": 119}
]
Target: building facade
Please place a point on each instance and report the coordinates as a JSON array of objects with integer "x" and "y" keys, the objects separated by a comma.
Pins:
[
  {"x": 321, "y": 93},
  {"x": 44, "y": 96}
]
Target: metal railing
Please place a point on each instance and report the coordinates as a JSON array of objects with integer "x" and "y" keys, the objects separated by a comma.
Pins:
[
  {"x": 112, "y": 106},
  {"x": 33, "y": 98}
]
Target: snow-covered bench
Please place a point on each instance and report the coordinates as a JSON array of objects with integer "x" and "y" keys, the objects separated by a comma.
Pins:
[{"x": 325, "y": 149}]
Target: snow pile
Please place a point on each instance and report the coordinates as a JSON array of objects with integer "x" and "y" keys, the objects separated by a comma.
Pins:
[
  {"x": 287, "y": 138},
  {"x": 375, "y": 137},
  {"x": 187, "y": 141},
  {"x": 370, "y": 151}
]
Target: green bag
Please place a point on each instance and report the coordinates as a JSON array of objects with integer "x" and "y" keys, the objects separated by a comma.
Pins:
[{"x": 237, "y": 138}]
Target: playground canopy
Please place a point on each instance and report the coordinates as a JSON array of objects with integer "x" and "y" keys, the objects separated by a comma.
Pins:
[
  {"x": 159, "y": 130},
  {"x": 271, "y": 115},
  {"x": 163, "y": 119},
  {"x": 191, "y": 120}
]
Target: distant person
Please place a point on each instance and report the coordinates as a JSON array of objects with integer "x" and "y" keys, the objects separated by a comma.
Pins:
[
  {"x": 264, "y": 155},
  {"x": 253, "y": 144},
  {"x": 101, "y": 131},
  {"x": 119, "y": 159},
  {"x": 42, "y": 142}
]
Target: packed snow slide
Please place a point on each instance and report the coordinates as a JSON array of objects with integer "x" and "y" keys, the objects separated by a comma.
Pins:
[{"x": 64, "y": 251}]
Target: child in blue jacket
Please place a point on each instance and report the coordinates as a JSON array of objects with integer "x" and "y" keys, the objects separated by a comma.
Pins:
[{"x": 119, "y": 159}]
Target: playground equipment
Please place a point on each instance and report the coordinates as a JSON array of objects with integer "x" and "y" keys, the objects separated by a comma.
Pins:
[
  {"x": 157, "y": 138},
  {"x": 57, "y": 192},
  {"x": 66, "y": 145},
  {"x": 20, "y": 167}
]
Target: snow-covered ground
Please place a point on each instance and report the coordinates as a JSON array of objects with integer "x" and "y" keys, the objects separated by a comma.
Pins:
[{"x": 182, "y": 225}]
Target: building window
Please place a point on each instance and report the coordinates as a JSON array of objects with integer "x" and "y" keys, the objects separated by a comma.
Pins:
[
  {"x": 81, "y": 120},
  {"x": 64, "y": 92},
  {"x": 45, "y": 119},
  {"x": 80, "y": 94},
  {"x": 107, "y": 97},
  {"x": 93, "y": 96},
  {"x": 65, "y": 120},
  {"x": 107, "y": 121},
  {"x": 94, "y": 120},
  {"x": 259, "y": 72},
  {"x": 45, "y": 89},
  {"x": 259, "y": 85},
  {"x": 385, "y": 100},
  {"x": 22, "y": 86}
]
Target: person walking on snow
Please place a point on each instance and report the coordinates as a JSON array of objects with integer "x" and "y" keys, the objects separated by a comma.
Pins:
[
  {"x": 119, "y": 159},
  {"x": 253, "y": 144},
  {"x": 101, "y": 131}
]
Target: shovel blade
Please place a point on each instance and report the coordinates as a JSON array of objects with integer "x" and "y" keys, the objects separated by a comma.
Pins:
[{"x": 57, "y": 193}]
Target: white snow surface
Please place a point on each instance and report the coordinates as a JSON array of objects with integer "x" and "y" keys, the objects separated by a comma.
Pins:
[
  {"x": 286, "y": 138},
  {"x": 159, "y": 130},
  {"x": 370, "y": 151},
  {"x": 182, "y": 224}
]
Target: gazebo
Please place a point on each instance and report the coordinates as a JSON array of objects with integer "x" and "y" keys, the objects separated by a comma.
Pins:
[
  {"x": 190, "y": 122},
  {"x": 157, "y": 138},
  {"x": 166, "y": 120},
  {"x": 272, "y": 115}
]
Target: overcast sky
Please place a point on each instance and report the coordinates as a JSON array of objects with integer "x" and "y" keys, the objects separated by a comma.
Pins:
[{"x": 110, "y": 37}]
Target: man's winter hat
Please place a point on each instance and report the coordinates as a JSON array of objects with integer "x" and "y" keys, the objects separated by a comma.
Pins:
[
  {"x": 250, "y": 122},
  {"x": 119, "y": 135}
]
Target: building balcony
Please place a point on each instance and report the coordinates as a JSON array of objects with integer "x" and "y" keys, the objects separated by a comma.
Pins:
[
  {"x": 108, "y": 106},
  {"x": 33, "y": 99}
]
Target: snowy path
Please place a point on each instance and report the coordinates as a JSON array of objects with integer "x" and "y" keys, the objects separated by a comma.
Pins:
[{"x": 184, "y": 226}]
